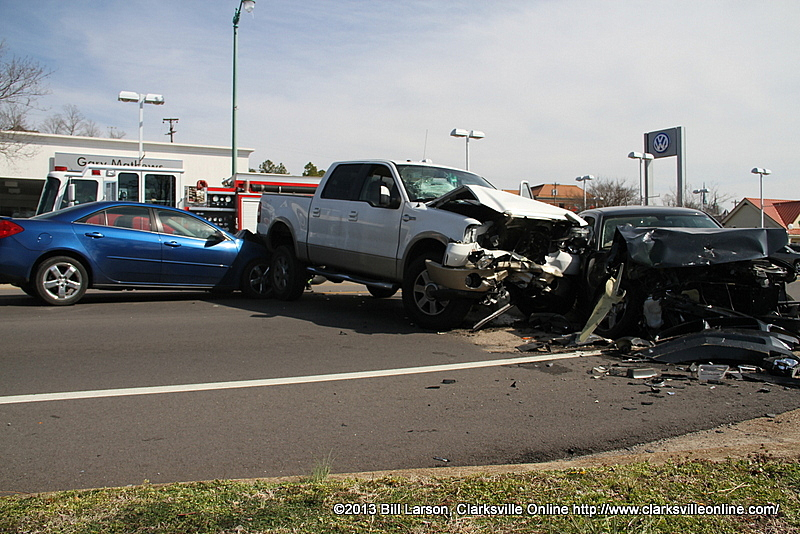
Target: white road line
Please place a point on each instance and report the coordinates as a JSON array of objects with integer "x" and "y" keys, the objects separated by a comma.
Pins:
[{"x": 213, "y": 386}]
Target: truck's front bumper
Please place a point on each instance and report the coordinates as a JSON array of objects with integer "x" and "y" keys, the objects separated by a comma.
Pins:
[{"x": 463, "y": 278}]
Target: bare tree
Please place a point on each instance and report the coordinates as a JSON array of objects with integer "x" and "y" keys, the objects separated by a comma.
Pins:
[
  {"x": 711, "y": 201},
  {"x": 612, "y": 192},
  {"x": 90, "y": 128},
  {"x": 13, "y": 117},
  {"x": 113, "y": 133},
  {"x": 70, "y": 122},
  {"x": 21, "y": 84}
]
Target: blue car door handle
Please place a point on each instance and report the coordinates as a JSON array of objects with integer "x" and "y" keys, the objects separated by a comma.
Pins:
[
  {"x": 94, "y": 234},
  {"x": 172, "y": 244}
]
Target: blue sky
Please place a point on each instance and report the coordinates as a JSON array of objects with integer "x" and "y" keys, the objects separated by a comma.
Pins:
[{"x": 561, "y": 88}]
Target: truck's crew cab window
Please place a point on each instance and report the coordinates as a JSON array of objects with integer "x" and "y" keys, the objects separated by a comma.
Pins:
[{"x": 345, "y": 182}]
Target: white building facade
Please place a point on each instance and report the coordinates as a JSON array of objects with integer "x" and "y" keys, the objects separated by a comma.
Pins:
[{"x": 22, "y": 176}]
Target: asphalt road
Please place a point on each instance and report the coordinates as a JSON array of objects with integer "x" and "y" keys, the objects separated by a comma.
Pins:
[{"x": 181, "y": 386}]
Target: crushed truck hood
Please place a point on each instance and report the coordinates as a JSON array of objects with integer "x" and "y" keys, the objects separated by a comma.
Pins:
[{"x": 506, "y": 204}]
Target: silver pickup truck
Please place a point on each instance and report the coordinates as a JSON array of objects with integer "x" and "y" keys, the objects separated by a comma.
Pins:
[{"x": 446, "y": 237}]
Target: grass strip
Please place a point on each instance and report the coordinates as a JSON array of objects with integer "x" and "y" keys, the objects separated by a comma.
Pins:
[{"x": 711, "y": 495}]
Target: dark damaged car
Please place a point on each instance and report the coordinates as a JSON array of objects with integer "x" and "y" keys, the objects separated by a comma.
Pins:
[{"x": 652, "y": 269}]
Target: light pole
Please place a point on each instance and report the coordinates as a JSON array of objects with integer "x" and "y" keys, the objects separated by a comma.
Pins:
[
  {"x": 642, "y": 157},
  {"x": 703, "y": 192},
  {"x": 248, "y": 6},
  {"x": 142, "y": 99},
  {"x": 584, "y": 179},
  {"x": 468, "y": 134},
  {"x": 761, "y": 172}
]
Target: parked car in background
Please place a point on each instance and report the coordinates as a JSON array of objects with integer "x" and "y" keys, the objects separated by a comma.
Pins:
[
  {"x": 790, "y": 255},
  {"x": 57, "y": 256},
  {"x": 677, "y": 264}
]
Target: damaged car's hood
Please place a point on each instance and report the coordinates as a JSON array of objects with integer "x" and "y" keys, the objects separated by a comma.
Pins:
[
  {"x": 683, "y": 247},
  {"x": 506, "y": 204}
]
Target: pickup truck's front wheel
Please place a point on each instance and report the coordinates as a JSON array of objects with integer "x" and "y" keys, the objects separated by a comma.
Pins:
[
  {"x": 287, "y": 275},
  {"x": 424, "y": 308}
]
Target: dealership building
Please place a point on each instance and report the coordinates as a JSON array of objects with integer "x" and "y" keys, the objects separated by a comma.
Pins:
[{"x": 23, "y": 175}]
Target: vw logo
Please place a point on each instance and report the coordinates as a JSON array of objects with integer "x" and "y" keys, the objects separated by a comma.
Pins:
[{"x": 661, "y": 143}]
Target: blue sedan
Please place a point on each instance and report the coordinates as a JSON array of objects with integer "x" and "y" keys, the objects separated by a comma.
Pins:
[{"x": 122, "y": 245}]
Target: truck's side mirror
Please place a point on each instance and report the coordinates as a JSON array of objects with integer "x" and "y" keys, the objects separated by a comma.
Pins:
[
  {"x": 386, "y": 200},
  {"x": 385, "y": 197}
]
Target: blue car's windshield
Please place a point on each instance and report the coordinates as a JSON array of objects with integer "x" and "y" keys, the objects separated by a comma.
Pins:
[{"x": 423, "y": 182}]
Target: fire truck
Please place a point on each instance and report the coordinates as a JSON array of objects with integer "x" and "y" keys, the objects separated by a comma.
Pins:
[{"x": 233, "y": 206}]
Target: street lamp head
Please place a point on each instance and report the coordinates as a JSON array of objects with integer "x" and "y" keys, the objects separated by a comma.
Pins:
[
  {"x": 249, "y": 5},
  {"x": 469, "y": 134},
  {"x": 584, "y": 178},
  {"x": 763, "y": 172},
  {"x": 128, "y": 96},
  {"x": 154, "y": 99},
  {"x": 699, "y": 191},
  {"x": 640, "y": 155}
]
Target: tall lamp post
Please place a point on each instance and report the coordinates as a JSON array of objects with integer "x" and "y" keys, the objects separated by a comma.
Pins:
[
  {"x": 247, "y": 5},
  {"x": 703, "y": 192},
  {"x": 584, "y": 179},
  {"x": 642, "y": 157},
  {"x": 468, "y": 134},
  {"x": 142, "y": 99},
  {"x": 761, "y": 172}
]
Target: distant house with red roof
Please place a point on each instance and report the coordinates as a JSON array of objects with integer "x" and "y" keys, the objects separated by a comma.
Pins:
[
  {"x": 777, "y": 214},
  {"x": 565, "y": 196}
]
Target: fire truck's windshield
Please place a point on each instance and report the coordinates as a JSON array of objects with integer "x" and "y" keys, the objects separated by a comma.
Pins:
[
  {"x": 55, "y": 198},
  {"x": 49, "y": 194}
]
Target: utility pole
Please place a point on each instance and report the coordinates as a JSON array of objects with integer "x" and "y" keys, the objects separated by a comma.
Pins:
[{"x": 172, "y": 130}]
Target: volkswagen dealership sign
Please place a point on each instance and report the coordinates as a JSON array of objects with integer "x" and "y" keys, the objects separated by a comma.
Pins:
[{"x": 663, "y": 143}]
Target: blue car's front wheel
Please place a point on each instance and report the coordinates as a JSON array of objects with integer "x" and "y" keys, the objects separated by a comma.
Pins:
[
  {"x": 256, "y": 283},
  {"x": 61, "y": 281}
]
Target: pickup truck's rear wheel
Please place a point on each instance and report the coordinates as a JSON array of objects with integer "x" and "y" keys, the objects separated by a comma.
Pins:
[
  {"x": 424, "y": 308},
  {"x": 287, "y": 275}
]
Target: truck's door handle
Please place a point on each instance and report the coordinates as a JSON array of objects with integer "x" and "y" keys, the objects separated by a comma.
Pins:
[
  {"x": 315, "y": 212},
  {"x": 408, "y": 217},
  {"x": 173, "y": 244},
  {"x": 95, "y": 235},
  {"x": 353, "y": 216}
]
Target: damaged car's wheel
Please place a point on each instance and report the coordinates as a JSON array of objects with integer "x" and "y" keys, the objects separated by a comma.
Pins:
[
  {"x": 624, "y": 317},
  {"x": 423, "y": 306}
]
